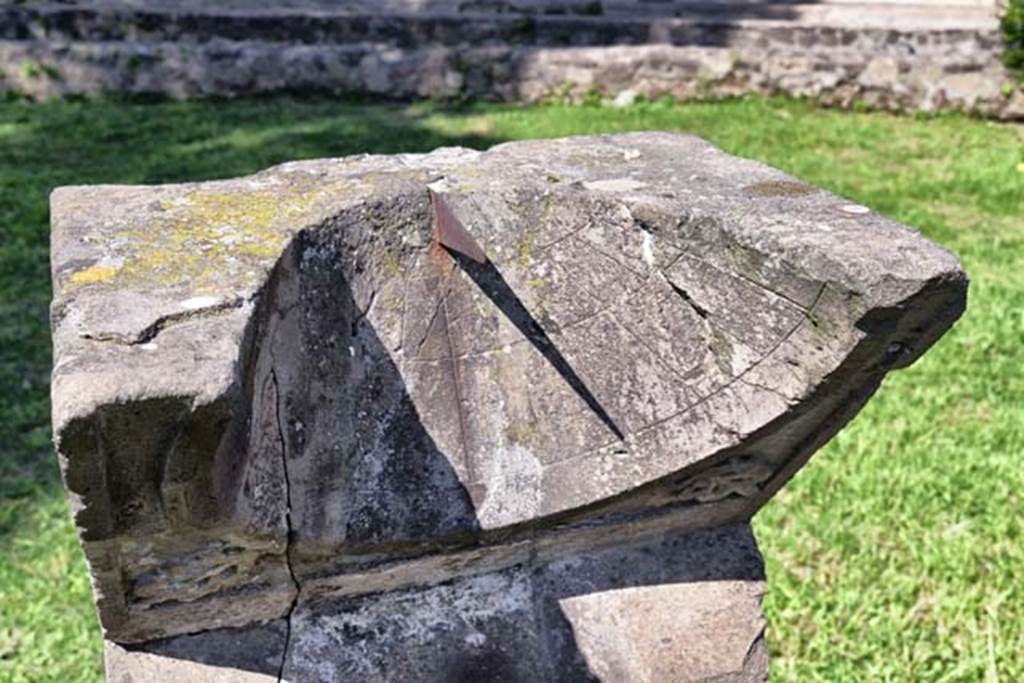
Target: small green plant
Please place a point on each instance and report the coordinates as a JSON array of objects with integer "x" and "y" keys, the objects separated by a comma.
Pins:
[
  {"x": 1012, "y": 26},
  {"x": 39, "y": 70},
  {"x": 593, "y": 97},
  {"x": 31, "y": 70}
]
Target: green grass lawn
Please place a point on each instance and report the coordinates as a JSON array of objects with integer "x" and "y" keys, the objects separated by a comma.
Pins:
[{"x": 896, "y": 554}]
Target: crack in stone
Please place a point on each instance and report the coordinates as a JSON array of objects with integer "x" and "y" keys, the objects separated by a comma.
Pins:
[
  {"x": 430, "y": 324},
  {"x": 361, "y": 315},
  {"x": 446, "y": 283},
  {"x": 685, "y": 296},
  {"x": 150, "y": 332},
  {"x": 288, "y": 523},
  {"x": 684, "y": 253},
  {"x": 755, "y": 644},
  {"x": 762, "y": 387}
]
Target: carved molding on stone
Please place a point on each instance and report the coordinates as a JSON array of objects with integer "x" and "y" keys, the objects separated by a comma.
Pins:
[{"x": 740, "y": 475}]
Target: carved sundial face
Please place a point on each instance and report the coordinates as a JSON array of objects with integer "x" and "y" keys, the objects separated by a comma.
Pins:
[
  {"x": 560, "y": 351},
  {"x": 454, "y": 363}
]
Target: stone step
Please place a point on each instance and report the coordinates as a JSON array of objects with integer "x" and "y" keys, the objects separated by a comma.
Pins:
[
  {"x": 893, "y": 55},
  {"x": 707, "y": 25}
]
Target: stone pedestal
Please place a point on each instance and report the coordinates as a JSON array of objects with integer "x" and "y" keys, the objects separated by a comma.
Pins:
[
  {"x": 462, "y": 416},
  {"x": 677, "y": 607}
]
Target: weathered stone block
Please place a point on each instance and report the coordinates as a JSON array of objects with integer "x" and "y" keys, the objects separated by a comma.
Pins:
[{"x": 280, "y": 400}]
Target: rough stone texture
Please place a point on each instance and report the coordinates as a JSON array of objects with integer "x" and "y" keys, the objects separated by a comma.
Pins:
[
  {"x": 278, "y": 396},
  {"x": 895, "y": 56}
]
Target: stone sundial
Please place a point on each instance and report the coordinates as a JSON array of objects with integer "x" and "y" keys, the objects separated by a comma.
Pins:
[{"x": 497, "y": 415}]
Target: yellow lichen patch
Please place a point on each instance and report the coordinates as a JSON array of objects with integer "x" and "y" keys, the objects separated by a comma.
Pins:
[
  {"x": 391, "y": 264},
  {"x": 537, "y": 282},
  {"x": 520, "y": 433},
  {"x": 395, "y": 303},
  {"x": 204, "y": 236},
  {"x": 524, "y": 248},
  {"x": 208, "y": 239},
  {"x": 93, "y": 274}
]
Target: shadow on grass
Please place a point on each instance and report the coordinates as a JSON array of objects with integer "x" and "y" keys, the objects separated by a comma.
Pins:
[{"x": 43, "y": 146}]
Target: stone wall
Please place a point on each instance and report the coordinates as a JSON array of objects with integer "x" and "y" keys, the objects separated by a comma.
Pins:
[{"x": 892, "y": 57}]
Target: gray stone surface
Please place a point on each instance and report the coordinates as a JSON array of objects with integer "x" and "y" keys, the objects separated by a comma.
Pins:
[
  {"x": 894, "y": 56},
  {"x": 253, "y": 654},
  {"x": 278, "y": 393}
]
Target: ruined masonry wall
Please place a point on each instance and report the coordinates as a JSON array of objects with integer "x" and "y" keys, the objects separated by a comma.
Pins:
[{"x": 838, "y": 54}]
